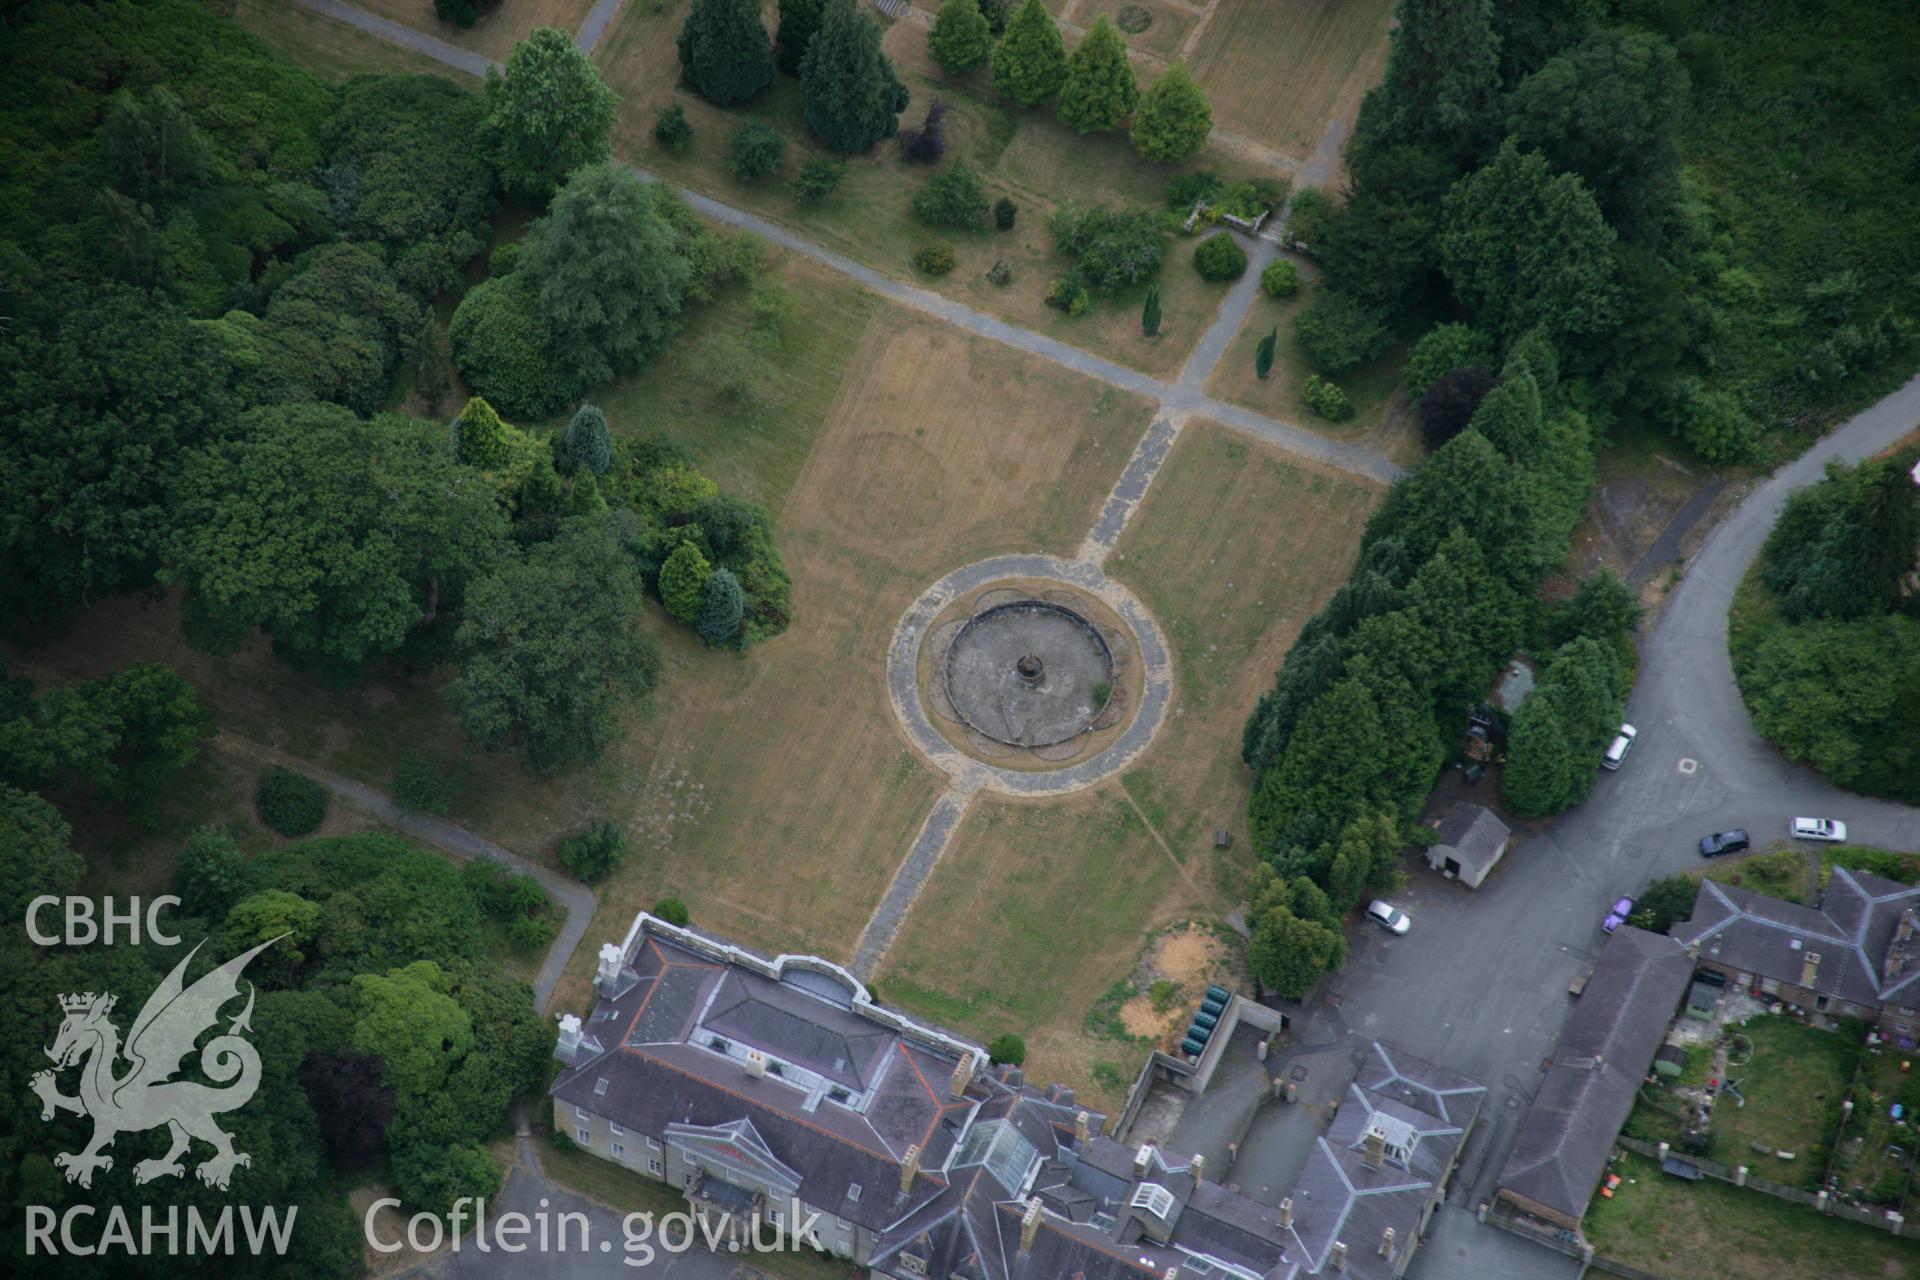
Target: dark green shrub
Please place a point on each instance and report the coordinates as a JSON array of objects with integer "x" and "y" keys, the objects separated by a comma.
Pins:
[
  {"x": 754, "y": 151},
  {"x": 1188, "y": 188},
  {"x": 1004, "y": 213},
  {"x": 1009, "y": 1049},
  {"x": 532, "y": 933},
  {"x": 952, "y": 198},
  {"x": 935, "y": 257},
  {"x": 672, "y": 910},
  {"x": 291, "y": 803},
  {"x": 501, "y": 345},
  {"x": 1220, "y": 258},
  {"x": 671, "y": 129},
  {"x": 419, "y": 786},
  {"x": 1340, "y": 333},
  {"x": 818, "y": 178},
  {"x": 592, "y": 855},
  {"x": 1114, "y": 248}
]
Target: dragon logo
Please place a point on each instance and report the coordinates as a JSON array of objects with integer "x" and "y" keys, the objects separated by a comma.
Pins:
[{"x": 143, "y": 1097}]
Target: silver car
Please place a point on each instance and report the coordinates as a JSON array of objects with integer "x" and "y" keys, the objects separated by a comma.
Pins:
[
  {"x": 1388, "y": 916},
  {"x": 1827, "y": 830}
]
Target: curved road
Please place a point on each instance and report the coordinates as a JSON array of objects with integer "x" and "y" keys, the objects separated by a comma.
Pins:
[{"x": 1480, "y": 982}]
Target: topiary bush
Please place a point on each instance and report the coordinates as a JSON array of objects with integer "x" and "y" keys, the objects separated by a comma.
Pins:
[
  {"x": 291, "y": 803},
  {"x": 935, "y": 257},
  {"x": 1220, "y": 258},
  {"x": 1326, "y": 399},
  {"x": 672, "y": 910},
  {"x": 1009, "y": 1049},
  {"x": 1281, "y": 279}
]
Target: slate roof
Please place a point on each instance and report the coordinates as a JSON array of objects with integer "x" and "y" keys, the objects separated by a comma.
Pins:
[
  {"x": 1474, "y": 833},
  {"x": 1851, "y": 931},
  {"x": 1603, "y": 1053}
]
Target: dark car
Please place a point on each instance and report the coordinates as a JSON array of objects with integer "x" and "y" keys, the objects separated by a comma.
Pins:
[
  {"x": 1723, "y": 842},
  {"x": 1618, "y": 916}
]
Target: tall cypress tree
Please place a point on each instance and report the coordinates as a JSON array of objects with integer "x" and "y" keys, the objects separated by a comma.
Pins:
[
  {"x": 799, "y": 19},
  {"x": 1263, "y": 354},
  {"x": 724, "y": 50},
  {"x": 1100, "y": 92},
  {"x": 1030, "y": 62},
  {"x": 960, "y": 39},
  {"x": 721, "y": 609},
  {"x": 1150, "y": 312},
  {"x": 852, "y": 95}
]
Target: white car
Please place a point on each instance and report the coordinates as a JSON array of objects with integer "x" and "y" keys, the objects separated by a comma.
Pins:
[
  {"x": 1618, "y": 748},
  {"x": 1388, "y": 916},
  {"x": 1830, "y": 830}
]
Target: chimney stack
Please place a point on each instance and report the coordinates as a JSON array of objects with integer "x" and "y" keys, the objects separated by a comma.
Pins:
[
  {"x": 1030, "y": 1225},
  {"x": 962, "y": 1075},
  {"x": 1338, "y": 1256},
  {"x": 611, "y": 958},
  {"x": 756, "y": 1063},
  {"x": 1809, "y": 968},
  {"x": 1373, "y": 1148},
  {"x": 1143, "y": 1160},
  {"x": 909, "y": 1167},
  {"x": 1197, "y": 1166},
  {"x": 569, "y": 1034},
  {"x": 1286, "y": 1211},
  {"x": 1082, "y": 1128},
  {"x": 1386, "y": 1244}
]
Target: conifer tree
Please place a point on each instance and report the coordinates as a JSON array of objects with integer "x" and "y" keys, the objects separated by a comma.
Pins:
[
  {"x": 724, "y": 50},
  {"x": 799, "y": 20},
  {"x": 683, "y": 582},
  {"x": 588, "y": 442},
  {"x": 1173, "y": 118},
  {"x": 960, "y": 39},
  {"x": 851, "y": 94},
  {"x": 1030, "y": 62},
  {"x": 721, "y": 608},
  {"x": 1150, "y": 312},
  {"x": 1100, "y": 92},
  {"x": 1263, "y": 354}
]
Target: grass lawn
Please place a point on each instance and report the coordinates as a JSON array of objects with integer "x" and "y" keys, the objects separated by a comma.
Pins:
[
  {"x": 1025, "y": 155},
  {"x": 627, "y": 1192},
  {"x": 1277, "y": 70},
  {"x": 1781, "y": 874},
  {"x": 333, "y": 50},
  {"x": 497, "y": 30},
  {"x": 1709, "y": 1228},
  {"x": 1381, "y": 414},
  {"x": 1793, "y": 1087},
  {"x": 1074, "y": 887}
]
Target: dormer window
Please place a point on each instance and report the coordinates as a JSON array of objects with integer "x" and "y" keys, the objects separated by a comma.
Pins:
[
  {"x": 775, "y": 1069},
  {"x": 719, "y": 1043},
  {"x": 839, "y": 1095},
  {"x": 600, "y": 1087},
  {"x": 1154, "y": 1198}
]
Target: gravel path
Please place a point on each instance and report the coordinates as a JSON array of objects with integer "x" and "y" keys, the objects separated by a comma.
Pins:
[
  {"x": 1128, "y": 491},
  {"x": 440, "y": 51},
  {"x": 574, "y": 898},
  {"x": 935, "y": 835},
  {"x": 599, "y": 18}
]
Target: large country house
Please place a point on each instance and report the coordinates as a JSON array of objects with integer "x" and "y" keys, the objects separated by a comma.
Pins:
[{"x": 772, "y": 1090}]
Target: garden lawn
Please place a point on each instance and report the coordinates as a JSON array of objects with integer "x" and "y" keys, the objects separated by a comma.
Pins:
[
  {"x": 497, "y": 30},
  {"x": 1709, "y": 1228},
  {"x": 1382, "y": 416},
  {"x": 1793, "y": 1086},
  {"x": 1074, "y": 887},
  {"x": 333, "y": 50}
]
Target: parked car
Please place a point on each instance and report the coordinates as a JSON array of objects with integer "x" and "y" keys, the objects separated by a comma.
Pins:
[
  {"x": 1618, "y": 916},
  {"x": 1723, "y": 842},
  {"x": 1618, "y": 748},
  {"x": 1388, "y": 916},
  {"x": 1831, "y": 830}
]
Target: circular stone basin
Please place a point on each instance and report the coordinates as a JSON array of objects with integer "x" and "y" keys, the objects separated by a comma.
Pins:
[{"x": 1024, "y": 673}]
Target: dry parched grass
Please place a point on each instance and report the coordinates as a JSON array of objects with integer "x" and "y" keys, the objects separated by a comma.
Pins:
[
  {"x": 497, "y": 30},
  {"x": 333, "y": 50},
  {"x": 1277, "y": 70},
  {"x": 1232, "y": 550}
]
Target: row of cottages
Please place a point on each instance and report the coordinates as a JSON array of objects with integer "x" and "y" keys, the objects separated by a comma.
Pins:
[
  {"x": 770, "y": 1090},
  {"x": 1856, "y": 955}
]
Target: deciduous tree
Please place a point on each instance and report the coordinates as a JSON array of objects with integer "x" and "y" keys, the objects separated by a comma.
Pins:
[
  {"x": 547, "y": 115},
  {"x": 407, "y": 1018},
  {"x": 36, "y": 856}
]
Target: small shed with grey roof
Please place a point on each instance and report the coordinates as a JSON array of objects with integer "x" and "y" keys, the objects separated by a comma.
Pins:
[{"x": 1472, "y": 840}]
